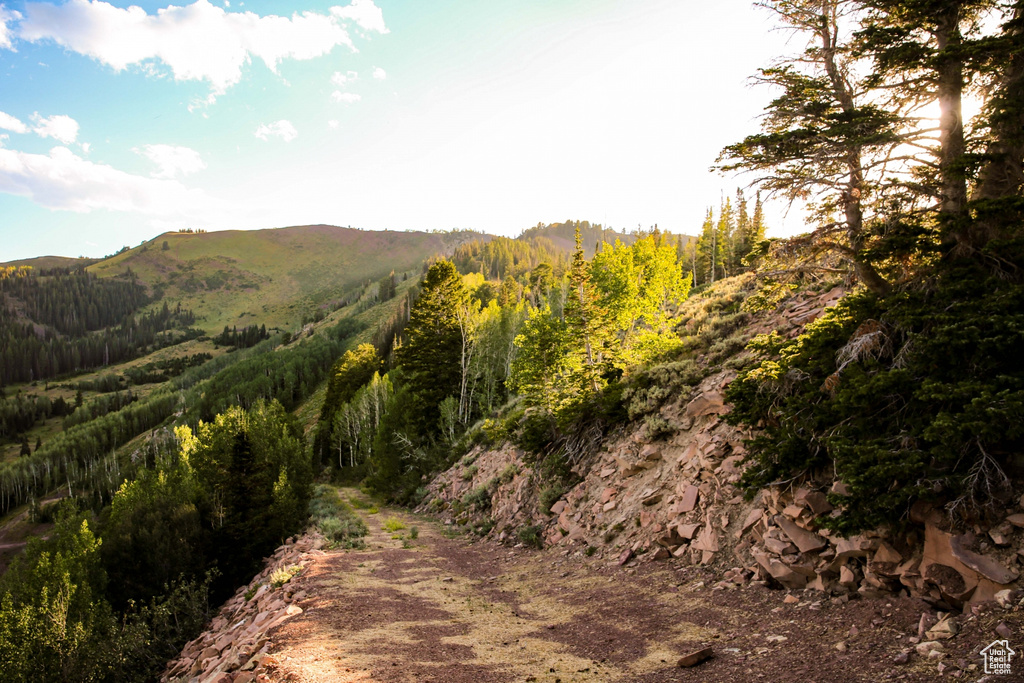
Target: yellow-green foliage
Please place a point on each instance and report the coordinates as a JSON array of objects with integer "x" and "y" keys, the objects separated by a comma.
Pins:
[
  {"x": 283, "y": 575},
  {"x": 393, "y": 524}
]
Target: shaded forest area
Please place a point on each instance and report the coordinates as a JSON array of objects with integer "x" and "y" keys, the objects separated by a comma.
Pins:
[{"x": 70, "y": 321}]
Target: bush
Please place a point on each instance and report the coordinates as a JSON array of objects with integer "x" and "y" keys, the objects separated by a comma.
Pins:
[
  {"x": 480, "y": 498},
  {"x": 283, "y": 575},
  {"x": 335, "y": 519},
  {"x": 549, "y": 496},
  {"x": 917, "y": 395},
  {"x": 531, "y": 536}
]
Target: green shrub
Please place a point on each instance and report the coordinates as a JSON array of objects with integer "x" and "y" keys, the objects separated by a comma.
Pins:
[
  {"x": 469, "y": 472},
  {"x": 393, "y": 524},
  {"x": 414, "y": 533},
  {"x": 531, "y": 536},
  {"x": 335, "y": 519},
  {"x": 549, "y": 495},
  {"x": 480, "y": 498},
  {"x": 914, "y": 396}
]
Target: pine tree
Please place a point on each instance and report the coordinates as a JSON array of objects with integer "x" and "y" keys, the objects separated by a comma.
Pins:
[
  {"x": 585, "y": 322},
  {"x": 432, "y": 352},
  {"x": 821, "y": 137},
  {"x": 706, "y": 250}
]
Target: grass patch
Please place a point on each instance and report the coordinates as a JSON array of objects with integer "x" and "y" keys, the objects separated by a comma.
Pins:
[
  {"x": 393, "y": 524},
  {"x": 283, "y": 575},
  {"x": 339, "y": 524}
]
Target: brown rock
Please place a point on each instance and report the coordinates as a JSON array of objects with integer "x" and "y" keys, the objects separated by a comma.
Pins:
[
  {"x": 778, "y": 547},
  {"x": 245, "y": 677},
  {"x": 944, "y": 630},
  {"x": 652, "y": 499},
  {"x": 609, "y": 506},
  {"x": 752, "y": 518},
  {"x": 1003, "y": 630},
  {"x": 779, "y": 571},
  {"x": 999, "y": 537},
  {"x": 986, "y": 566},
  {"x": 886, "y": 554},
  {"x": 814, "y": 500},
  {"x": 806, "y": 541},
  {"x": 1016, "y": 520},
  {"x": 856, "y": 546},
  {"x": 651, "y": 452},
  {"x": 846, "y": 577},
  {"x": 560, "y": 506},
  {"x": 626, "y": 556},
  {"x": 708, "y": 403},
  {"x": 607, "y": 472},
  {"x": 662, "y": 554},
  {"x": 790, "y": 599},
  {"x": 839, "y": 488},
  {"x": 707, "y": 540},
  {"x": 695, "y": 658},
  {"x": 608, "y": 494},
  {"x": 687, "y": 531},
  {"x": 689, "y": 500},
  {"x": 793, "y": 511}
]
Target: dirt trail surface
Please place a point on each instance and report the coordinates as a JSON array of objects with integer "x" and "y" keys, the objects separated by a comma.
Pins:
[{"x": 448, "y": 610}]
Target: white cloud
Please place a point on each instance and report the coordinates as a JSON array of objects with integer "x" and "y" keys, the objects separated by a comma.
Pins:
[
  {"x": 197, "y": 41},
  {"x": 86, "y": 147},
  {"x": 380, "y": 74},
  {"x": 8, "y": 122},
  {"x": 172, "y": 160},
  {"x": 282, "y": 129},
  {"x": 65, "y": 181},
  {"x": 366, "y": 15},
  {"x": 346, "y": 97},
  {"x": 62, "y": 128},
  {"x": 333, "y": 123},
  {"x": 340, "y": 79},
  {"x": 6, "y": 33}
]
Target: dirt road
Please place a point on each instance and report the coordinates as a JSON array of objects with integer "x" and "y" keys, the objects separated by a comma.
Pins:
[{"x": 448, "y": 610}]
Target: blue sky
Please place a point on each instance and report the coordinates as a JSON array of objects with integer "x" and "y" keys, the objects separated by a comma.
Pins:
[{"x": 119, "y": 121}]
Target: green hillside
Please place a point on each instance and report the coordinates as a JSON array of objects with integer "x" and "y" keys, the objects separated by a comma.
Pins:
[
  {"x": 272, "y": 277},
  {"x": 50, "y": 262}
]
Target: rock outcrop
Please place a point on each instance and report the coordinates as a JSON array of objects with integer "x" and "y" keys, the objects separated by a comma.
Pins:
[
  {"x": 678, "y": 499},
  {"x": 234, "y": 647}
]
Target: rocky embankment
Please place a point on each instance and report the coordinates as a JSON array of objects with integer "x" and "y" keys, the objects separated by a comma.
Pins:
[
  {"x": 677, "y": 499},
  {"x": 234, "y": 647}
]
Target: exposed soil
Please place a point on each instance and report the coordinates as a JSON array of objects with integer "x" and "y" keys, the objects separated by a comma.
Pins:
[{"x": 449, "y": 610}]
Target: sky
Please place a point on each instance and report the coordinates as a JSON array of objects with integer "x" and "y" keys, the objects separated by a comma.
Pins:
[{"x": 121, "y": 121}]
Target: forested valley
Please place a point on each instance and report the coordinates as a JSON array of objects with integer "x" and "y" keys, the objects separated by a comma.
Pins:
[{"x": 170, "y": 459}]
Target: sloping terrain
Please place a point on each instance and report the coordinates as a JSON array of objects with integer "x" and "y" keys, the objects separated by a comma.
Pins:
[
  {"x": 447, "y": 610},
  {"x": 272, "y": 277}
]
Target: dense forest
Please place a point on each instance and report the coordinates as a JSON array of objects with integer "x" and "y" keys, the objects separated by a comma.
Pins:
[{"x": 71, "y": 321}]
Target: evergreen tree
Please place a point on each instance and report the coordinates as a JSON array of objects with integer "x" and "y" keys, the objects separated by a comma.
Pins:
[
  {"x": 706, "y": 251},
  {"x": 586, "y": 323},
  {"x": 822, "y": 140},
  {"x": 433, "y": 348}
]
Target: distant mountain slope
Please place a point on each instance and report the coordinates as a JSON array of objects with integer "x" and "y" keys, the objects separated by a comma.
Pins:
[
  {"x": 272, "y": 277},
  {"x": 48, "y": 262}
]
